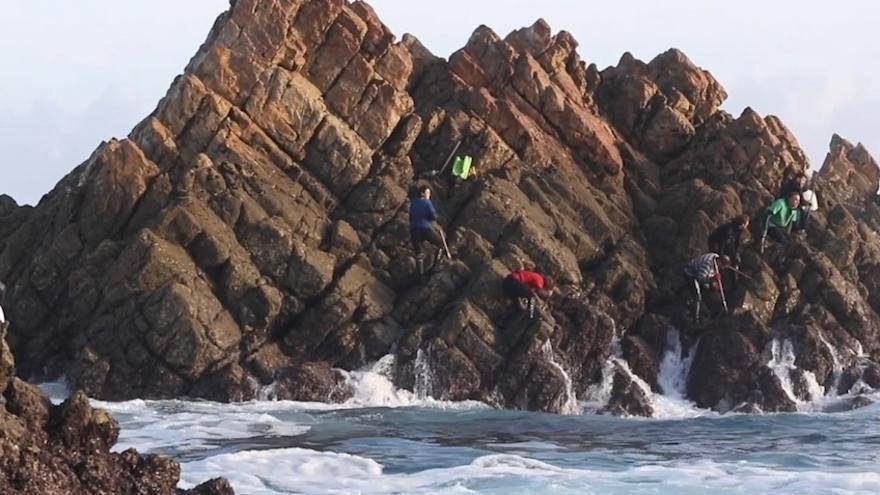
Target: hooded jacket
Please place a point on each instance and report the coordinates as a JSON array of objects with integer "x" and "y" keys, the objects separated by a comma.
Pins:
[{"x": 782, "y": 215}]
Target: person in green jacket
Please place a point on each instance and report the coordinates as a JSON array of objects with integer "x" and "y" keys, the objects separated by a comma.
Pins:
[{"x": 782, "y": 215}]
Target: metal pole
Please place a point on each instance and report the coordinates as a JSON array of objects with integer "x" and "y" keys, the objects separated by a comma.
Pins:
[
  {"x": 721, "y": 289},
  {"x": 738, "y": 272},
  {"x": 446, "y": 163},
  {"x": 445, "y": 246},
  {"x": 764, "y": 236}
]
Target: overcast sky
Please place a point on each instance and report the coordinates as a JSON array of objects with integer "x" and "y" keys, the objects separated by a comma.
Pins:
[{"x": 77, "y": 73}]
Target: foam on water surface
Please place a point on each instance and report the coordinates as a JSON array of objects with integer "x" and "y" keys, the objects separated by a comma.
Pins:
[
  {"x": 385, "y": 440},
  {"x": 304, "y": 471}
]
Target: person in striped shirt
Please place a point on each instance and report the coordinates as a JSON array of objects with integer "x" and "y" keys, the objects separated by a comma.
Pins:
[{"x": 704, "y": 272}]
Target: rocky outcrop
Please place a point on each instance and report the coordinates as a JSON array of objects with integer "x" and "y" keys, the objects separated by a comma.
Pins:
[
  {"x": 65, "y": 449},
  {"x": 253, "y": 229}
]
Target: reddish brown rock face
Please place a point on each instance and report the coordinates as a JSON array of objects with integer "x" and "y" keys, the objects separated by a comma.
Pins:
[{"x": 254, "y": 227}]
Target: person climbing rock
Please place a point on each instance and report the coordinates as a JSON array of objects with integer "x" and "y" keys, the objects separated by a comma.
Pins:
[
  {"x": 781, "y": 216},
  {"x": 798, "y": 184},
  {"x": 704, "y": 273},
  {"x": 422, "y": 218},
  {"x": 725, "y": 240},
  {"x": 808, "y": 200},
  {"x": 809, "y": 204},
  {"x": 523, "y": 285}
]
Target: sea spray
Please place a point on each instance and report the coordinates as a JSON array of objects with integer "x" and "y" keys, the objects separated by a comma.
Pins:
[
  {"x": 675, "y": 367},
  {"x": 570, "y": 404},
  {"x": 597, "y": 395},
  {"x": 423, "y": 376},
  {"x": 373, "y": 386},
  {"x": 781, "y": 362},
  {"x": 837, "y": 367},
  {"x": 674, "y": 371}
]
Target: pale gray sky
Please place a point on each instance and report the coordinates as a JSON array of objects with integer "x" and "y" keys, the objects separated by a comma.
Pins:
[{"x": 77, "y": 73}]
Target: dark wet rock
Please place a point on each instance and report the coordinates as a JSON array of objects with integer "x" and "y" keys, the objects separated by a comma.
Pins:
[
  {"x": 641, "y": 359},
  {"x": 66, "y": 448},
  {"x": 628, "y": 398},
  {"x": 311, "y": 382}
]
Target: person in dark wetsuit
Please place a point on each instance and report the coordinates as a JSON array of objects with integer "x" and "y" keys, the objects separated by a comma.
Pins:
[{"x": 726, "y": 239}]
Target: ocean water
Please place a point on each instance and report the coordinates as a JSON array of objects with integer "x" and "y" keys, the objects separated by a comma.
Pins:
[{"x": 389, "y": 441}]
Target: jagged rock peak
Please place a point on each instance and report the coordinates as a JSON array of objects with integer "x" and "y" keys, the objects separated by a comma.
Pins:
[
  {"x": 253, "y": 230},
  {"x": 659, "y": 105},
  {"x": 853, "y": 167}
]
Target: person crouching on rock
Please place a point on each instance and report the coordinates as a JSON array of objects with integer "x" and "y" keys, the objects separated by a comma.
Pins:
[
  {"x": 704, "y": 273},
  {"x": 809, "y": 204},
  {"x": 725, "y": 240},
  {"x": 782, "y": 215},
  {"x": 422, "y": 216},
  {"x": 808, "y": 200},
  {"x": 522, "y": 285}
]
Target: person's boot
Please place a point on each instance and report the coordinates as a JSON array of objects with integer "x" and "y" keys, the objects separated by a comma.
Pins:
[{"x": 420, "y": 264}]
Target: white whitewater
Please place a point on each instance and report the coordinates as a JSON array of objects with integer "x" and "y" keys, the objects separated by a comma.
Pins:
[
  {"x": 674, "y": 368},
  {"x": 671, "y": 403},
  {"x": 374, "y": 387},
  {"x": 598, "y": 394},
  {"x": 836, "y": 365},
  {"x": 570, "y": 406},
  {"x": 423, "y": 376},
  {"x": 781, "y": 362}
]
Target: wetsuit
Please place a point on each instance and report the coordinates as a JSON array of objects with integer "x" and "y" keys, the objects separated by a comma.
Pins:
[{"x": 725, "y": 240}]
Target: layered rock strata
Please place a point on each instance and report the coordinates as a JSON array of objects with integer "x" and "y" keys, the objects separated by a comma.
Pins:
[{"x": 253, "y": 229}]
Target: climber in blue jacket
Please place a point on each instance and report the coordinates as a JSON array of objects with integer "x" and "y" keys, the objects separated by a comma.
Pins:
[{"x": 422, "y": 218}]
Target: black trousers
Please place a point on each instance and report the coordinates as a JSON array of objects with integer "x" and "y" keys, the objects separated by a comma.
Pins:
[
  {"x": 804, "y": 220},
  {"x": 418, "y": 236},
  {"x": 515, "y": 289},
  {"x": 779, "y": 235}
]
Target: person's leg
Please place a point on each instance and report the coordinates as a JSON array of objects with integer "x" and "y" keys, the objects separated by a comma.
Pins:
[
  {"x": 433, "y": 236},
  {"x": 696, "y": 297},
  {"x": 416, "y": 236},
  {"x": 804, "y": 220},
  {"x": 517, "y": 291},
  {"x": 779, "y": 235}
]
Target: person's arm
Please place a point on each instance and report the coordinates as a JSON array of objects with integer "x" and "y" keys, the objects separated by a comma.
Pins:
[{"x": 432, "y": 212}]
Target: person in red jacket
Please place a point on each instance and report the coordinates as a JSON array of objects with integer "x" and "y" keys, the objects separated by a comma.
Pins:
[{"x": 522, "y": 286}]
